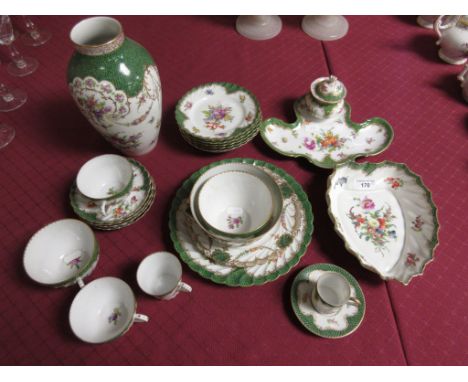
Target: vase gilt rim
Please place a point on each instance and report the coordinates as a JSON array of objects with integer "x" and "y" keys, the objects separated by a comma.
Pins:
[{"x": 95, "y": 36}]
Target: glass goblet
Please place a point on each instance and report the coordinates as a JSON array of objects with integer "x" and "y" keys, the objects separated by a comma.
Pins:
[
  {"x": 11, "y": 99},
  {"x": 33, "y": 35},
  {"x": 7, "y": 133},
  {"x": 259, "y": 27},
  {"x": 19, "y": 66}
]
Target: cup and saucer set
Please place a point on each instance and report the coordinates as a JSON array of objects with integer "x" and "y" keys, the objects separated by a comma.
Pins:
[
  {"x": 112, "y": 192},
  {"x": 65, "y": 252}
]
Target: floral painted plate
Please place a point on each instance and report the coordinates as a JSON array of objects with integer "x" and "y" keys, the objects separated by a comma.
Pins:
[
  {"x": 217, "y": 111},
  {"x": 386, "y": 216},
  {"x": 257, "y": 262},
  {"x": 338, "y": 325},
  {"x": 326, "y": 142},
  {"x": 123, "y": 209}
]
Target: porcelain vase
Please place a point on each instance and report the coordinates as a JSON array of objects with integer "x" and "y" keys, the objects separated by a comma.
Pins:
[{"x": 115, "y": 84}]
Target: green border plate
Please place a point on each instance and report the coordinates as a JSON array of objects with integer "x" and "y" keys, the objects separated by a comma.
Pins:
[
  {"x": 308, "y": 322},
  {"x": 239, "y": 277}
]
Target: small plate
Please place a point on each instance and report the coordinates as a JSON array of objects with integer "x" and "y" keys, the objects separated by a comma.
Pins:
[
  {"x": 327, "y": 142},
  {"x": 257, "y": 262},
  {"x": 338, "y": 325},
  {"x": 217, "y": 111},
  {"x": 386, "y": 216},
  {"x": 123, "y": 210}
]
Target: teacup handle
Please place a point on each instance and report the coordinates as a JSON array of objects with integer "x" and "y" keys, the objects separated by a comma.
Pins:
[
  {"x": 462, "y": 75},
  {"x": 354, "y": 301},
  {"x": 438, "y": 26},
  {"x": 184, "y": 287},
  {"x": 80, "y": 282},
  {"x": 137, "y": 317}
]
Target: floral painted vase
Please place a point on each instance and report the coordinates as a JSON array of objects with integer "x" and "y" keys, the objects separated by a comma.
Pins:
[{"x": 115, "y": 83}]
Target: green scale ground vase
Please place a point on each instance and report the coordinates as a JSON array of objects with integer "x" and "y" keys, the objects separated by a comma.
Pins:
[{"x": 115, "y": 83}]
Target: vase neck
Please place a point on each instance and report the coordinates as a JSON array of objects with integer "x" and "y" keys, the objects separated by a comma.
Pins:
[{"x": 96, "y": 36}]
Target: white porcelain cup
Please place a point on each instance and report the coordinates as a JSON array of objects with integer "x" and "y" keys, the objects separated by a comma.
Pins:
[
  {"x": 160, "y": 275},
  {"x": 331, "y": 292},
  {"x": 61, "y": 253},
  {"x": 106, "y": 179},
  {"x": 103, "y": 310}
]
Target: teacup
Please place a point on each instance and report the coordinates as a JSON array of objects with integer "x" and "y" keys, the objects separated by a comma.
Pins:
[
  {"x": 61, "y": 253},
  {"x": 160, "y": 275},
  {"x": 105, "y": 179},
  {"x": 236, "y": 202},
  {"x": 103, "y": 310},
  {"x": 332, "y": 291}
]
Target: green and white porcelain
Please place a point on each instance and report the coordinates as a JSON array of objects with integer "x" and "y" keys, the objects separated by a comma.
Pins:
[
  {"x": 386, "y": 216},
  {"x": 254, "y": 263},
  {"x": 268, "y": 190},
  {"x": 323, "y": 132},
  {"x": 61, "y": 253},
  {"x": 115, "y": 84},
  {"x": 218, "y": 116},
  {"x": 336, "y": 325},
  {"x": 122, "y": 211}
]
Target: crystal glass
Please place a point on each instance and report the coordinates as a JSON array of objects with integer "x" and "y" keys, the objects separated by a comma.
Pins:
[
  {"x": 259, "y": 27},
  {"x": 7, "y": 133},
  {"x": 11, "y": 99},
  {"x": 325, "y": 28},
  {"x": 20, "y": 65},
  {"x": 34, "y": 36}
]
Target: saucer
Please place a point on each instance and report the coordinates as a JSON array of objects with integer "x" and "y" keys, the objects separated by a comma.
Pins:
[
  {"x": 256, "y": 262},
  {"x": 326, "y": 142},
  {"x": 218, "y": 116},
  {"x": 337, "y": 325},
  {"x": 386, "y": 217},
  {"x": 124, "y": 211}
]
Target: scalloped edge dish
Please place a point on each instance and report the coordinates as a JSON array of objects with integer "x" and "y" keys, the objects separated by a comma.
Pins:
[
  {"x": 322, "y": 138},
  {"x": 386, "y": 217}
]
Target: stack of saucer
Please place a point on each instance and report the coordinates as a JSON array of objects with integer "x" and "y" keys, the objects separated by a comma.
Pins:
[
  {"x": 218, "y": 117},
  {"x": 112, "y": 192}
]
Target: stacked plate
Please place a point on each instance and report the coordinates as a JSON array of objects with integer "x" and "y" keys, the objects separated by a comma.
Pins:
[
  {"x": 130, "y": 192},
  {"x": 218, "y": 117}
]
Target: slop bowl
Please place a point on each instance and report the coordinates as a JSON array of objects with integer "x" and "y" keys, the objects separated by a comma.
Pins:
[
  {"x": 61, "y": 253},
  {"x": 236, "y": 202}
]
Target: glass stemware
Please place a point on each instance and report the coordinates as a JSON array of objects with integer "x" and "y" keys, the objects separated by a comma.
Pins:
[
  {"x": 259, "y": 27},
  {"x": 325, "y": 28},
  {"x": 20, "y": 65},
  {"x": 33, "y": 35},
  {"x": 11, "y": 99},
  {"x": 7, "y": 133}
]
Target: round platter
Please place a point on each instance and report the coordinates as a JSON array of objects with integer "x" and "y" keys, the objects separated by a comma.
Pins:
[
  {"x": 257, "y": 262},
  {"x": 340, "y": 324}
]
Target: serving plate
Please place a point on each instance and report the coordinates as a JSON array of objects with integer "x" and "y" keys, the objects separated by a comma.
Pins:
[
  {"x": 326, "y": 142},
  {"x": 256, "y": 262},
  {"x": 386, "y": 216}
]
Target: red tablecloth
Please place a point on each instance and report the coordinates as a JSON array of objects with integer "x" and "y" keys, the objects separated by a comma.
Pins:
[{"x": 390, "y": 68}]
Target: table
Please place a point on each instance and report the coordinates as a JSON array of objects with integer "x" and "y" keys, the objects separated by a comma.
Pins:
[{"x": 391, "y": 69}]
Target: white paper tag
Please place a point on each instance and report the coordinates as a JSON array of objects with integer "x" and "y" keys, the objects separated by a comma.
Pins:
[{"x": 364, "y": 184}]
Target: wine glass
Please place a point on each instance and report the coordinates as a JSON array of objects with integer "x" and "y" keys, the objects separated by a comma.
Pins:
[
  {"x": 11, "y": 99},
  {"x": 34, "y": 36},
  {"x": 325, "y": 28},
  {"x": 20, "y": 65},
  {"x": 259, "y": 27},
  {"x": 7, "y": 133}
]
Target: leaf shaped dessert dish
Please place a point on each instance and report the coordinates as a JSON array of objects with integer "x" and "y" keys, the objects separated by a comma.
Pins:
[
  {"x": 386, "y": 216},
  {"x": 323, "y": 132}
]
